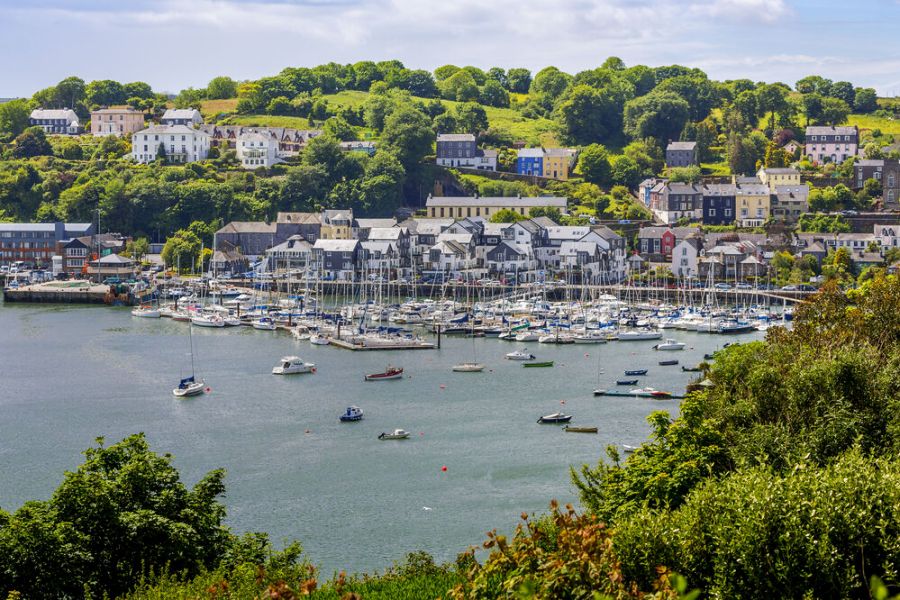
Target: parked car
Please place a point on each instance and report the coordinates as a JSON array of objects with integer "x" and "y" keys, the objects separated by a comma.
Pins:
[
  {"x": 789, "y": 288},
  {"x": 723, "y": 286}
]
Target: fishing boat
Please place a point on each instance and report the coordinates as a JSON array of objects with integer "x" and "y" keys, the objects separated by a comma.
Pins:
[
  {"x": 520, "y": 355},
  {"x": 189, "y": 387},
  {"x": 691, "y": 369},
  {"x": 626, "y": 381},
  {"x": 571, "y": 429},
  {"x": 397, "y": 434},
  {"x": 293, "y": 365},
  {"x": 317, "y": 339},
  {"x": 546, "y": 363},
  {"x": 636, "y": 372},
  {"x": 555, "y": 418},
  {"x": 468, "y": 367},
  {"x": 264, "y": 324},
  {"x": 389, "y": 373},
  {"x": 146, "y": 312},
  {"x": 670, "y": 345},
  {"x": 353, "y": 413},
  {"x": 668, "y": 363}
]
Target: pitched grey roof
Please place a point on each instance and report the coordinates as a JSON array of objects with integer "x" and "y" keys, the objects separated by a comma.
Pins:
[
  {"x": 248, "y": 227},
  {"x": 375, "y": 223},
  {"x": 385, "y": 233},
  {"x": 780, "y": 171},
  {"x": 868, "y": 162},
  {"x": 335, "y": 245},
  {"x": 719, "y": 189},
  {"x": 299, "y": 217},
  {"x": 530, "y": 153},
  {"x": 455, "y": 137},
  {"x": 822, "y": 130},
  {"x": 180, "y": 113},
  {"x": 500, "y": 201},
  {"x": 681, "y": 146}
]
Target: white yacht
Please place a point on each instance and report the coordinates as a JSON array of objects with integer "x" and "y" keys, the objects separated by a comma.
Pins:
[
  {"x": 468, "y": 367},
  {"x": 293, "y": 365},
  {"x": 638, "y": 334},
  {"x": 522, "y": 354},
  {"x": 146, "y": 312},
  {"x": 670, "y": 344}
]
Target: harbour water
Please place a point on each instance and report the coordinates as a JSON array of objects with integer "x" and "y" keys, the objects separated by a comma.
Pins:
[{"x": 70, "y": 374}]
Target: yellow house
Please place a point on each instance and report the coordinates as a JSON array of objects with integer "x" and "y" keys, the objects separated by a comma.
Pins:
[
  {"x": 752, "y": 204},
  {"x": 337, "y": 225},
  {"x": 462, "y": 207},
  {"x": 781, "y": 176},
  {"x": 558, "y": 162}
]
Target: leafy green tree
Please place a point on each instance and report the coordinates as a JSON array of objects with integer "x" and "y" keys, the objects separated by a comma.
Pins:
[
  {"x": 14, "y": 117},
  {"x": 32, "y": 142},
  {"x": 460, "y": 87},
  {"x": 408, "y": 132},
  {"x": 364, "y": 74},
  {"x": 772, "y": 99},
  {"x": 814, "y": 84},
  {"x": 587, "y": 115},
  {"x": 181, "y": 248},
  {"x": 506, "y": 215},
  {"x": 865, "y": 100},
  {"x": 494, "y": 94},
  {"x": 339, "y": 129},
  {"x": 658, "y": 114},
  {"x": 593, "y": 164},
  {"x": 685, "y": 174},
  {"x": 221, "y": 87},
  {"x": 137, "y": 89},
  {"x": 550, "y": 83},
  {"x": 70, "y": 92},
  {"x": 420, "y": 83},
  {"x": 776, "y": 157},
  {"x": 471, "y": 118},
  {"x": 843, "y": 90},
  {"x": 445, "y": 72},
  {"x": 105, "y": 92},
  {"x": 376, "y": 109},
  {"x": 747, "y": 106},
  {"x": 497, "y": 74},
  {"x": 518, "y": 80},
  {"x": 834, "y": 111},
  {"x": 699, "y": 92},
  {"x": 550, "y": 212},
  {"x": 382, "y": 185},
  {"x": 625, "y": 171}
]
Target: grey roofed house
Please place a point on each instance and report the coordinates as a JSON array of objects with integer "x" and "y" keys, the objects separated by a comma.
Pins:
[
  {"x": 248, "y": 227},
  {"x": 545, "y": 222},
  {"x": 681, "y": 146},
  {"x": 719, "y": 189},
  {"x": 181, "y": 116},
  {"x": 432, "y": 226},
  {"x": 299, "y": 217},
  {"x": 336, "y": 245},
  {"x": 386, "y": 233},
  {"x": 606, "y": 233},
  {"x": 451, "y": 247},
  {"x": 252, "y": 237},
  {"x": 681, "y": 154},
  {"x": 459, "y": 238},
  {"x": 781, "y": 171}
]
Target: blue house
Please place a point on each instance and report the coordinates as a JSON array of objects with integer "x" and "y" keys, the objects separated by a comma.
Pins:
[{"x": 530, "y": 161}]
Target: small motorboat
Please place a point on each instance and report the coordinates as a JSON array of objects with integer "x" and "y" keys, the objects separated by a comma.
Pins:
[
  {"x": 626, "y": 381},
  {"x": 264, "y": 324},
  {"x": 146, "y": 312},
  {"x": 292, "y": 365},
  {"x": 232, "y": 322},
  {"x": 649, "y": 392},
  {"x": 691, "y": 369},
  {"x": 708, "y": 357},
  {"x": 397, "y": 434},
  {"x": 189, "y": 387},
  {"x": 571, "y": 429},
  {"x": 670, "y": 344},
  {"x": 207, "y": 321},
  {"x": 555, "y": 418},
  {"x": 468, "y": 367},
  {"x": 668, "y": 363},
  {"x": 546, "y": 363},
  {"x": 389, "y": 373},
  {"x": 317, "y": 339},
  {"x": 599, "y": 392},
  {"x": 520, "y": 355},
  {"x": 353, "y": 413},
  {"x": 636, "y": 372},
  {"x": 628, "y": 449},
  {"x": 636, "y": 335},
  {"x": 527, "y": 336}
]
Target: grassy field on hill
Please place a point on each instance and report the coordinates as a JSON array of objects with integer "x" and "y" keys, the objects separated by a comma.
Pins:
[{"x": 532, "y": 131}]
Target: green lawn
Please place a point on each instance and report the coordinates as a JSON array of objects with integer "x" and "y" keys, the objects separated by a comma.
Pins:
[{"x": 889, "y": 126}]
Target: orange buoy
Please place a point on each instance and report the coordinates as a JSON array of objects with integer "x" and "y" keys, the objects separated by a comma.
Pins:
[
  {"x": 444, "y": 468},
  {"x": 208, "y": 390}
]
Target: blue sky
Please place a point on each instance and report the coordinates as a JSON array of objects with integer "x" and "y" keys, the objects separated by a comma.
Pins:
[{"x": 172, "y": 44}]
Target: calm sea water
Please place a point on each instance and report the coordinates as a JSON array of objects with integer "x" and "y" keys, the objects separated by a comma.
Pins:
[{"x": 71, "y": 374}]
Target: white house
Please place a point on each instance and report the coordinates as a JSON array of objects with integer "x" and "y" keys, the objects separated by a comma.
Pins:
[
  {"x": 684, "y": 258},
  {"x": 180, "y": 143},
  {"x": 292, "y": 254},
  {"x": 256, "y": 150},
  {"x": 63, "y": 121},
  {"x": 380, "y": 257},
  {"x": 182, "y": 116},
  {"x": 449, "y": 256},
  {"x": 887, "y": 236}
]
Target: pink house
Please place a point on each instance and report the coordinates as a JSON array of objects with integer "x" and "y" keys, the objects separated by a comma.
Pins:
[{"x": 116, "y": 121}]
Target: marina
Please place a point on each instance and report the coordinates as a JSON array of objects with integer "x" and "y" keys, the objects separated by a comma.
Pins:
[{"x": 336, "y": 487}]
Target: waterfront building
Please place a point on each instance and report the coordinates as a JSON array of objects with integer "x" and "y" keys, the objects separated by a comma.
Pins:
[
  {"x": 685, "y": 255},
  {"x": 293, "y": 254},
  {"x": 120, "y": 121},
  {"x": 250, "y": 238},
  {"x": 308, "y": 225},
  {"x": 37, "y": 243},
  {"x": 337, "y": 224},
  {"x": 179, "y": 144},
  {"x": 338, "y": 259}
]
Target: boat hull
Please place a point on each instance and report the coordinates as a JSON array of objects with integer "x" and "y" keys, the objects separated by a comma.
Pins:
[{"x": 385, "y": 376}]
